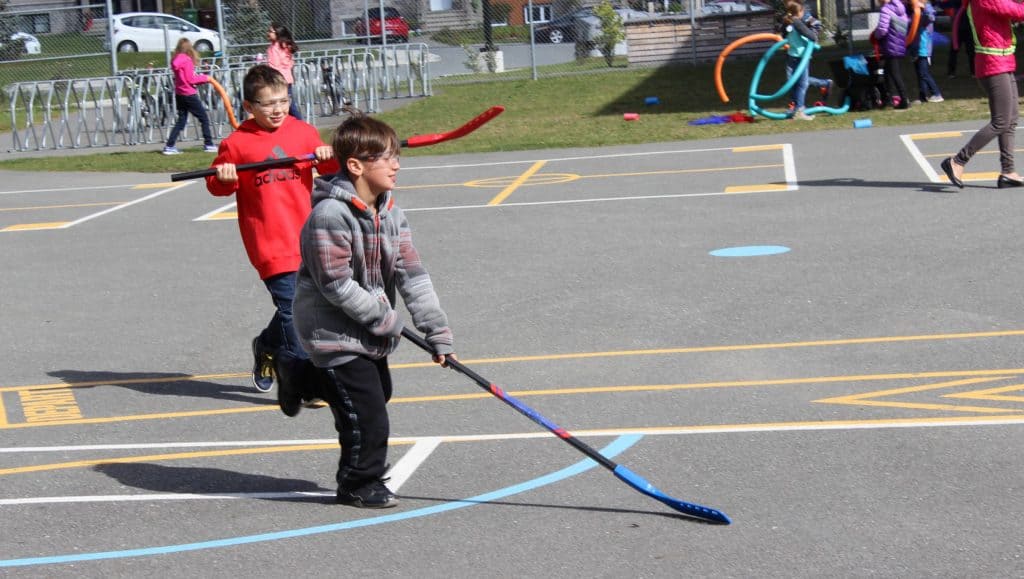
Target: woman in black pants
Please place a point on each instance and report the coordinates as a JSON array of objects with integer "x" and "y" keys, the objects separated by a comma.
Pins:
[{"x": 995, "y": 65}]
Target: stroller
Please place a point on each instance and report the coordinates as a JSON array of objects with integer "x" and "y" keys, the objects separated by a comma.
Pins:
[{"x": 862, "y": 80}]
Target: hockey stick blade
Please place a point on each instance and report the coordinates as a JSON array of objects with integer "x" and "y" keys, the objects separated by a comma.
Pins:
[
  {"x": 690, "y": 509},
  {"x": 476, "y": 123}
]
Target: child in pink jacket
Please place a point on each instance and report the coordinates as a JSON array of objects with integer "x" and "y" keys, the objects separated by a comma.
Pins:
[{"x": 186, "y": 99}]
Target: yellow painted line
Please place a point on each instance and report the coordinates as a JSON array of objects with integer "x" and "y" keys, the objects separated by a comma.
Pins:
[
  {"x": 223, "y": 215},
  {"x": 751, "y": 188},
  {"x": 754, "y": 148},
  {"x": 944, "y": 155},
  {"x": 983, "y": 375},
  {"x": 865, "y": 399},
  {"x": 974, "y": 176},
  {"x": 615, "y": 354},
  {"x": 153, "y": 185},
  {"x": 163, "y": 457},
  {"x": 69, "y": 206},
  {"x": 515, "y": 184},
  {"x": 683, "y": 171},
  {"x": 36, "y": 226},
  {"x": 938, "y": 135},
  {"x": 745, "y": 347},
  {"x": 3, "y": 412},
  {"x": 991, "y": 394}
]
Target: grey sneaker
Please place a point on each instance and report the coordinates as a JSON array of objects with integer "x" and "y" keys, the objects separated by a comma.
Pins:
[
  {"x": 373, "y": 495},
  {"x": 936, "y": 98},
  {"x": 262, "y": 367},
  {"x": 800, "y": 115},
  {"x": 210, "y": 148},
  {"x": 171, "y": 151}
]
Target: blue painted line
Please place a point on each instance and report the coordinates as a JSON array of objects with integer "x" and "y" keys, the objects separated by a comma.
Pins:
[
  {"x": 617, "y": 446},
  {"x": 749, "y": 251}
]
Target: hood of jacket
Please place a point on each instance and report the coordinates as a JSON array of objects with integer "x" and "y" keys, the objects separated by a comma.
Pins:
[{"x": 339, "y": 187}]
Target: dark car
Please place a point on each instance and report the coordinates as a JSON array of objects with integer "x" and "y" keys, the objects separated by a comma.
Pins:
[
  {"x": 561, "y": 29},
  {"x": 397, "y": 27},
  {"x": 583, "y": 23}
]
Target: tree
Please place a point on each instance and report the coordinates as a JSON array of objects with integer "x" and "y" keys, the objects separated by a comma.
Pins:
[
  {"x": 612, "y": 30},
  {"x": 245, "y": 22}
]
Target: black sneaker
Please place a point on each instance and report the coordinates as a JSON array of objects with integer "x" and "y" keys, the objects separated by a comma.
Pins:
[
  {"x": 262, "y": 367},
  {"x": 289, "y": 371},
  {"x": 372, "y": 495}
]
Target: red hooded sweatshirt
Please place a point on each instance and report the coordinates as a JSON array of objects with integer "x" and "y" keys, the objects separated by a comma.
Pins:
[{"x": 272, "y": 204}]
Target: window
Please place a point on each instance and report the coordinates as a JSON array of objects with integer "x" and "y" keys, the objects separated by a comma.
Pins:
[
  {"x": 541, "y": 13},
  {"x": 34, "y": 23}
]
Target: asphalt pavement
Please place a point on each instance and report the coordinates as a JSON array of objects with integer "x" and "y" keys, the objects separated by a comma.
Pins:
[{"x": 812, "y": 332}]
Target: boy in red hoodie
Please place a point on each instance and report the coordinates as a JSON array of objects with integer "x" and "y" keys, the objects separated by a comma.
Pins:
[{"x": 272, "y": 204}]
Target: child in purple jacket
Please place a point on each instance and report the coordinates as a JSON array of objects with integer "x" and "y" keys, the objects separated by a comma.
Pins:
[{"x": 891, "y": 35}]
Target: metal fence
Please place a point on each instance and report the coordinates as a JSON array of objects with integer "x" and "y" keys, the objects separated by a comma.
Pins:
[{"x": 137, "y": 106}]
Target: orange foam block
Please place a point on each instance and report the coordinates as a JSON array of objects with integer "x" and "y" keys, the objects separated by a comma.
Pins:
[{"x": 630, "y": 116}]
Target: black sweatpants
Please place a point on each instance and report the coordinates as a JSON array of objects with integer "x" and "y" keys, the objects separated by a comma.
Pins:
[
  {"x": 358, "y": 392},
  {"x": 894, "y": 78}
]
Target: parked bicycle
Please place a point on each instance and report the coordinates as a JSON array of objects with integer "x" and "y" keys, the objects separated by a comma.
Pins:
[{"x": 334, "y": 97}]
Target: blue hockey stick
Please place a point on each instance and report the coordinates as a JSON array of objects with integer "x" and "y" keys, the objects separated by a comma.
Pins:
[{"x": 624, "y": 474}]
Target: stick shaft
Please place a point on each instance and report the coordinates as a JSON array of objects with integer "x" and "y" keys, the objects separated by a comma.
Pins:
[
  {"x": 523, "y": 409},
  {"x": 243, "y": 167}
]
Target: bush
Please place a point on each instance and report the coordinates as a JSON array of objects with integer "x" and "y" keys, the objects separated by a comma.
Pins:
[{"x": 612, "y": 30}]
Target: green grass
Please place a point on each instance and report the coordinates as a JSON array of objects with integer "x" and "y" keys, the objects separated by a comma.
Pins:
[{"x": 586, "y": 110}]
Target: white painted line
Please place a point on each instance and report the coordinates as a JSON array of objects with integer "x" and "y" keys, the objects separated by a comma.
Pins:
[
  {"x": 429, "y": 443},
  {"x": 915, "y": 153},
  {"x": 652, "y": 431},
  {"x": 160, "y": 497},
  {"x": 790, "y": 164},
  {"x": 63, "y": 189},
  {"x": 580, "y": 158},
  {"x": 123, "y": 205},
  {"x": 403, "y": 469},
  {"x": 208, "y": 216}
]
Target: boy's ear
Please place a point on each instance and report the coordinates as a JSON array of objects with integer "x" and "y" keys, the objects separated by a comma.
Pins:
[
  {"x": 247, "y": 106},
  {"x": 354, "y": 167}
]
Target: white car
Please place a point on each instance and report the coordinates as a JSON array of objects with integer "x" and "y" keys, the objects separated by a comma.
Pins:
[
  {"x": 728, "y": 6},
  {"x": 144, "y": 32},
  {"x": 32, "y": 45}
]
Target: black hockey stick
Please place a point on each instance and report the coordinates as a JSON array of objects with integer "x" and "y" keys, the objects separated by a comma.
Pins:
[
  {"x": 624, "y": 474},
  {"x": 411, "y": 142}
]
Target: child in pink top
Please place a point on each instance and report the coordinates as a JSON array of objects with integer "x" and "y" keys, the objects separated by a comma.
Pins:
[
  {"x": 280, "y": 57},
  {"x": 186, "y": 99}
]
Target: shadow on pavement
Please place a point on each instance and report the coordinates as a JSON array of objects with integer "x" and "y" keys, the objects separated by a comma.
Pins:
[
  {"x": 211, "y": 481},
  {"x": 166, "y": 384}
]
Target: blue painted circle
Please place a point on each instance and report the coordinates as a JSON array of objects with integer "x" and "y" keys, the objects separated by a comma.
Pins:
[{"x": 749, "y": 251}]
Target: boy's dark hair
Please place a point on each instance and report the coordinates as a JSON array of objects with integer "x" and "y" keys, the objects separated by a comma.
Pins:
[
  {"x": 260, "y": 77},
  {"x": 365, "y": 138}
]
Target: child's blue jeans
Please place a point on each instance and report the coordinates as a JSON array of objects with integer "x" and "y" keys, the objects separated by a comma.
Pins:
[
  {"x": 280, "y": 332},
  {"x": 799, "y": 92}
]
